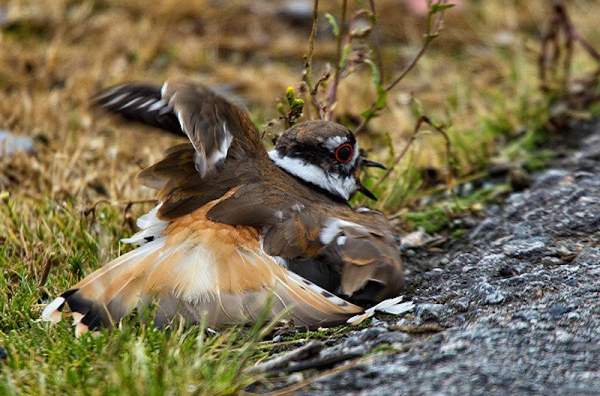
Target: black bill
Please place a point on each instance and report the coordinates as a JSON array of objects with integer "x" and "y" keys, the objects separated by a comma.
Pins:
[
  {"x": 371, "y": 164},
  {"x": 362, "y": 161}
]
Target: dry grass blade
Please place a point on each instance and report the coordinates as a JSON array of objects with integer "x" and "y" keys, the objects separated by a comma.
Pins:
[
  {"x": 416, "y": 130},
  {"x": 421, "y": 329},
  {"x": 552, "y": 51},
  {"x": 376, "y": 39},
  {"x": 432, "y": 33},
  {"x": 333, "y": 89},
  {"x": 301, "y": 353},
  {"x": 308, "y": 58},
  {"x": 336, "y": 370}
]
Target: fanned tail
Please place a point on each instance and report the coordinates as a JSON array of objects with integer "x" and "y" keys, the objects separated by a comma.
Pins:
[
  {"x": 195, "y": 268},
  {"x": 109, "y": 293}
]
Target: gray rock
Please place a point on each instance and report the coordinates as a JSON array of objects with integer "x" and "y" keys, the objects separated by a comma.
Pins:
[
  {"x": 524, "y": 248},
  {"x": 588, "y": 257},
  {"x": 393, "y": 337},
  {"x": 373, "y": 333},
  {"x": 573, "y": 316},
  {"x": 352, "y": 342},
  {"x": 490, "y": 229},
  {"x": 429, "y": 312},
  {"x": 550, "y": 179},
  {"x": 435, "y": 273},
  {"x": 488, "y": 294},
  {"x": 9, "y": 143},
  {"x": 526, "y": 315},
  {"x": 558, "y": 310},
  {"x": 459, "y": 304}
]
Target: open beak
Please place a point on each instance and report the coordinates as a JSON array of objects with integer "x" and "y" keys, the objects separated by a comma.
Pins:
[
  {"x": 366, "y": 191},
  {"x": 360, "y": 187},
  {"x": 372, "y": 164}
]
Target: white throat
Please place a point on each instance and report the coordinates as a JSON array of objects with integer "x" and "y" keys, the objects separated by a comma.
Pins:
[{"x": 342, "y": 187}]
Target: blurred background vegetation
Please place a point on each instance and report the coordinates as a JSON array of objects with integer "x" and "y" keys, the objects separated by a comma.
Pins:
[{"x": 478, "y": 80}]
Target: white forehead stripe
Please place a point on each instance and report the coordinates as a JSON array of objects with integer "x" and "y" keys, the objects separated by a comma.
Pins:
[
  {"x": 333, "y": 183},
  {"x": 334, "y": 142}
]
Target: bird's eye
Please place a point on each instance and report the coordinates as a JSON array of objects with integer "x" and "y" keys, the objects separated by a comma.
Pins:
[{"x": 344, "y": 153}]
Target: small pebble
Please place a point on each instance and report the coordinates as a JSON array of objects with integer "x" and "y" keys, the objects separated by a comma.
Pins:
[
  {"x": 558, "y": 310},
  {"x": 429, "y": 312}
]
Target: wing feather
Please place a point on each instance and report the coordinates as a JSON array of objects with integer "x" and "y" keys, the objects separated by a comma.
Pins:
[
  {"x": 215, "y": 127},
  {"x": 200, "y": 268},
  {"x": 140, "y": 103},
  {"x": 366, "y": 255}
]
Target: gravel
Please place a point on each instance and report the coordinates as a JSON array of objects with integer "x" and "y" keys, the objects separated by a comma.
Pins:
[{"x": 519, "y": 296}]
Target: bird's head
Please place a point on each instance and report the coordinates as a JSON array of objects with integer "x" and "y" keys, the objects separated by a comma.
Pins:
[{"x": 323, "y": 154}]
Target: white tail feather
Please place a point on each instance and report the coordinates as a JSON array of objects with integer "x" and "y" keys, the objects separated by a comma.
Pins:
[
  {"x": 392, "y": 306},
  {"x": 151, "y": 228}
]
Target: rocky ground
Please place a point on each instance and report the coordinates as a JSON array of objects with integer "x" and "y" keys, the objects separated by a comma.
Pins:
[{"x": 519, "y": 296}]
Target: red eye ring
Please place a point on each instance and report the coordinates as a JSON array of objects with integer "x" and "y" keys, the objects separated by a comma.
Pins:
[{"x": 344, "y": 153}]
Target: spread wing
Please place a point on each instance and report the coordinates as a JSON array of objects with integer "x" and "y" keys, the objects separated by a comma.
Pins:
[
  {"x": 327, "y": 243},
  {"x": 215, "y": 127},
  {"x": 141, "y": 103},
  {"x": 197, "y": 269},
  {"x": 224, "y": 148}
]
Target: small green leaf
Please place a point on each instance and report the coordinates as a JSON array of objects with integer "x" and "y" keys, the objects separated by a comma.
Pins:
[
  {"x": 375, "y": 70},
  {"x": 437, "y": 8},
  {"x": 280, "y": 108},
  {"x": 595, "y": 109},
  {"x": 345, "y": 52},
  {"x": 297, "y": 105},
  {"x": 334, "y": 26},
  {"x": 416, "y": 107},
  {"x": 381, "y": 98}
]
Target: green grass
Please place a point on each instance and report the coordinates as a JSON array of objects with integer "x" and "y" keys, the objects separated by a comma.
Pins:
[
  {"x": 136, "y": 359},
  {"x": 437, "y": 216}
]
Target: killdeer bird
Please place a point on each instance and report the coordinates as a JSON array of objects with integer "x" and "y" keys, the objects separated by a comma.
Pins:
[{"x": 237, "y": 226}]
